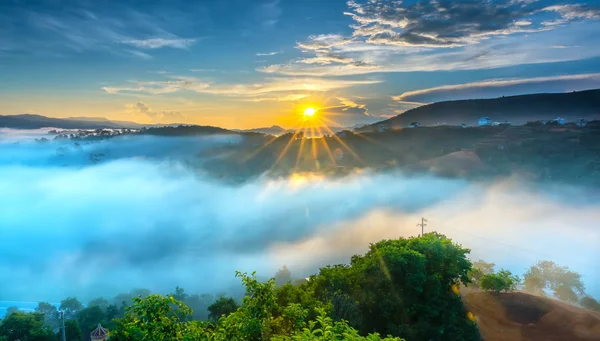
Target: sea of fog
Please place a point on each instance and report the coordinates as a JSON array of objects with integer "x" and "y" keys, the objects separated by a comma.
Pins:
[{"x": 133, "y": 215}]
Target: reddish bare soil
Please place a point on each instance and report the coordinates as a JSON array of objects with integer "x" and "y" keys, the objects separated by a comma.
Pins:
[{"x": 521, "y": 316}]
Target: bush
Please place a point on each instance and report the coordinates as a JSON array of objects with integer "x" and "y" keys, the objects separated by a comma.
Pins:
[
  {"x": 590, "y": 303},
  {"x": 503, "y": 281}
]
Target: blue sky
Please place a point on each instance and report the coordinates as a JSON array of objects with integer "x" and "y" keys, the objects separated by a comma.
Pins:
[{"x": 241, "y": 64}]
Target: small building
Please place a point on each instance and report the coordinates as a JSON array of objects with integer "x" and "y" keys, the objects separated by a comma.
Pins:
[
  {"x": 484, "y": 121},
  {"x": 413, "y": 124},
  {"x": 343, "y": 133},
  {"x": 581, "y": 122},
  {"x": 559, "y": 120},
  {"x": 462, "y": 125},
  {"x": 383, "y": 127},
  {"x": 99, "y": 334}
]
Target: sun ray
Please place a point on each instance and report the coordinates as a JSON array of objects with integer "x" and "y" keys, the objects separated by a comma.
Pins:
[
  {"x": 287, "y": 146},
  {"x": 328, "y": 150},
  {"x": 301, "y": 148},
  {"x": 344, "y": 144},
  {"x": 259, "y": 149}
]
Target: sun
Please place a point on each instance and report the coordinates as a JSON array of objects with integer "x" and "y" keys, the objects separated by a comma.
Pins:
[{"x": 309, "y": 111}]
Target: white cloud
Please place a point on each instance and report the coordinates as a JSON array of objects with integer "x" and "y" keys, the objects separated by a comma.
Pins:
[
  {"x": 270, "y": 85},
  {"x": 496, "y": 87},
  {"x": 156, "y": 43},
  {"x": 267, "y": 53}
]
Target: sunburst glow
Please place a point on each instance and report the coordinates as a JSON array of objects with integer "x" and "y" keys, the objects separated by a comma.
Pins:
[{"x": 309, "y": 112}]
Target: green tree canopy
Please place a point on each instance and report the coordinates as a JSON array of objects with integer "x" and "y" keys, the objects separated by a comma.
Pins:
[
  {"x": 503, "y": 281},
  {"x": 565, "y": 284},
  {"x": 223, "y": 306},
  {"x": 25, "y": 327},
  {"x": 70, "y": 306}
]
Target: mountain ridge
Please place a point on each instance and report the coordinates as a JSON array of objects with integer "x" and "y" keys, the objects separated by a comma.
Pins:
[{"x": 517, "y": 109}]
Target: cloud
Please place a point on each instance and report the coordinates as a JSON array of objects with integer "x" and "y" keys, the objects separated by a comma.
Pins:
[
  {"x": 140, "y": 54},
  {"x": 157, "y": 116},
  {"x": 157, "y": 43},
  {"x": 393, "y": 36},
  {"x": 140, "y": 218},
  {"x": 282, "y": 98},
  {"x": 268, "y": 13},
  {"x": 502, "y": 87},
  {"x": 267, "y": 53},
  {"x": 276, "y": 84}
]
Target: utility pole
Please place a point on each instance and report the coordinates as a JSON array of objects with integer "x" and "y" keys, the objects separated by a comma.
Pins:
[
  {"x": 423, "y": 223},
  {"x": 64, "y": 334}
]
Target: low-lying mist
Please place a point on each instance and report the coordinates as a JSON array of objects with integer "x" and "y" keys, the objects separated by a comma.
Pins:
[{"x": 89, "y": 229}]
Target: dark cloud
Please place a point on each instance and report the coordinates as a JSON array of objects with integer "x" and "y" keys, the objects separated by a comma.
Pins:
[{"x": 447, "y": 23}]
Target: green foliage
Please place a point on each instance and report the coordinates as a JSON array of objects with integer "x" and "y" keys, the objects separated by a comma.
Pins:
[
  {"x": 503, "y": 281},
  {"x": 70, "y": 306},
  {"x": 13, "y": 309},
  {"x": 404, "y": 287},
  {"x": 72, "y": 331},
  {"x": 89, "y": 318},
  {"x": 325, "y": 329},
  {"x": 478, "y": 270},
  {"x": 223, "y": 306},
  {"x": 51, "y": 314},
  {"x": 565, "y": 284},
  {"x": 154, "y": 318},
  {"x": 590, "y": 303},
  {"x": 283, "y": 276},
  {"x": 25, "y": 327},
  {"x": 99, "y": 302}
]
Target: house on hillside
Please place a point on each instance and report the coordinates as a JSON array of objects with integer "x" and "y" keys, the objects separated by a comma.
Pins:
[
  {"x": 581, "y": 122},
  {"x": 462, "y": 125},
  {"x": 383, "y": 127},
  {"x": 559, "y": 120},
  {"x": 484, "y": 121},
  {"x": 413, "y": 125},
  {"x": 343, "y": 133}
]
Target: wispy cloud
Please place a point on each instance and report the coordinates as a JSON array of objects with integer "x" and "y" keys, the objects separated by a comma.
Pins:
[
  {"x": 282, "y": 98},
  {"x": 393, "y": 36},
  {"x": 270, "y": 85},
  {"x": 156, "y": 43},
  {"x": 499, "y": 87},
  {"x": 267, "y": 53}
]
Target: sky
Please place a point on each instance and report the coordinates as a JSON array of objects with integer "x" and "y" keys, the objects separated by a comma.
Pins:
[{"x": 245, "y": 64}]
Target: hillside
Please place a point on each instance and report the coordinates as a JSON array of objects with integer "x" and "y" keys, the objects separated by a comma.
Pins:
[
  {"x": 523, "y": 317},
  {"x": 30, "y": 121},
  {"x": 514, "y": 109}
]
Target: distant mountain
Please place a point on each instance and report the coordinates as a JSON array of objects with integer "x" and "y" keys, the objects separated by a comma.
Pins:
[
  {"x": 32, "y": 121},
  {"x": 514, "y": 109},
  {"x": 272, "y": 130}
]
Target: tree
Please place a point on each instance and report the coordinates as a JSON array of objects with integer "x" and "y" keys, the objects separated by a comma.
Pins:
[
  {"x": 70, "y": 306},
  {"x": 25, "y": 327},
  {"x": 590, "y": 303},
  {"x": 72, "y": 331},
  {"x": 503, "y": 281},
  {"x": 179, "y": 294},
  {"x": 89, "y": 318},
  {"x": 199, "y": 304},
  {"x": 51, "y": 314},
  {"x": 153, "y": 318},
  {"x": 283, "y": 276},
  {"x": 565, "y": 284},
  {"x": 478, "y": 270},
  {"x": 398, "y": 282},
  {"x": 12, "y": 309},
  {"x": 99, "y": 302},
  {"x": 223, "y": 306}
]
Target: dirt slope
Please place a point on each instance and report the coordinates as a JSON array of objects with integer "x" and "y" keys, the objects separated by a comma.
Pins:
[{"x": 521, "y": 316}]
